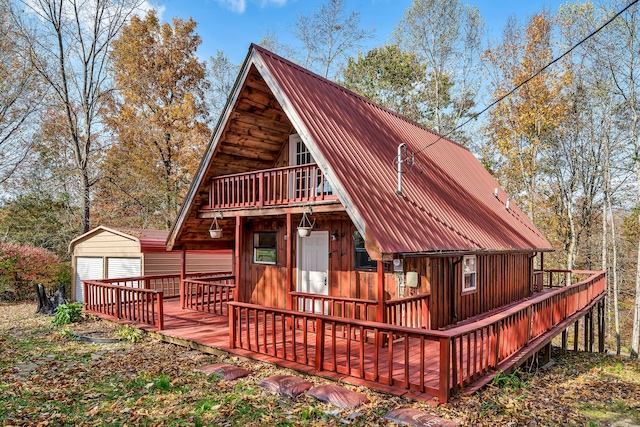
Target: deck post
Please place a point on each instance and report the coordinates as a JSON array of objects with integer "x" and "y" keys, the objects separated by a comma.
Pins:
[
  {"x": 380, "y": 308},
  {"x": 445, "y": 370},
  {"x": 238, "y": 258},
  {"x": 232, "y": 325},
  {"x": 289, "y": 243},
  {"x": 320, "y": 344},
  {"x": 183, "y": 272},
  {"x": 117, "y": 292},
  {"x": 575, "y": 335},
  {"x": 565, "y": 339},
  {"x": 591, "y": 331},
  {"x": 601, "y": 326},
  {"x": 159, "y": 297},
  {"x": 547, "y": 354},
  {"x": 586, "y": 331}
]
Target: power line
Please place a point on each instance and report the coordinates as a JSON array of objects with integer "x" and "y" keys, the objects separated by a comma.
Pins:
[{"x": 533, "y": 76}]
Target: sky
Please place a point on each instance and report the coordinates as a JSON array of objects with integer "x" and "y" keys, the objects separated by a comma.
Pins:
[{"x": 232, "y": 25}]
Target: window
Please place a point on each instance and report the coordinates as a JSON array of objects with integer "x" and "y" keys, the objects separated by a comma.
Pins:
[
  {"x": 265, "y": 248},
  {"x": 469, "y": 282},
  {"x": 362, "y": 259},
  {"x": 302, "y": 184}
]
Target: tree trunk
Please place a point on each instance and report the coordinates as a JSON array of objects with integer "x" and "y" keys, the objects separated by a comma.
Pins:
[{"x": 47, "y": 305}]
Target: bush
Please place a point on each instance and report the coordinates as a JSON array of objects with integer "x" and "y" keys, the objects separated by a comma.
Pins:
[
  {"x": 68, "y": 313},
  {"x": 22, "y": 266}
]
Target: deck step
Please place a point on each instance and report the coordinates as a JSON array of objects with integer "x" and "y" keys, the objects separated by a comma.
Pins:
[
  {"x": 417, "y": 418},
  {"x": 228, "y": 372},
  {"x": 338, "y": 396},
  {"x": 287, "y": 385}
]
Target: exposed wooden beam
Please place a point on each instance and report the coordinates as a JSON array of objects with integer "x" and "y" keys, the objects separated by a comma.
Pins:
[{"x": 319, "y": 207}]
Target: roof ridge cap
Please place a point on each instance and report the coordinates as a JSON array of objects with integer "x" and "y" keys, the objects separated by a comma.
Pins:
[{"x": 356, "y": 95}]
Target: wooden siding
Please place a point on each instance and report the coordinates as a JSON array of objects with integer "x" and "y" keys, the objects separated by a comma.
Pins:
[
  {"x": 107, "y": 244},
  {"x": 157, "y": 263},
  {"x": 501, "y": 279}
]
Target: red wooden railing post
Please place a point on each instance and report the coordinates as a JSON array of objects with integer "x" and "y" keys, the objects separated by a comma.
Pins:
[
  {"x": 320, "y": 344},
  {"x": 159, "y": 298},
  {"x": 232, "y": 325},
  {"x": 261, "y": 189},
  {"x": 445, "y": 370},
  {"x": 117, "y": 292},
  {"x": 85, "y": 297}
]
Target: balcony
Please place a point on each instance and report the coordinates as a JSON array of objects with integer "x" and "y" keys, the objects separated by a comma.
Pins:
[{"x": 301, "y": 184}]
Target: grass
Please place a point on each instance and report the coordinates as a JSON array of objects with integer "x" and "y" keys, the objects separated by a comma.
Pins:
[{"x": 47, "y": 377}]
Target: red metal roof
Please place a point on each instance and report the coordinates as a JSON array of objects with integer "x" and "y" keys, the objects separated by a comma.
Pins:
[{"x": 448, "y": 202}]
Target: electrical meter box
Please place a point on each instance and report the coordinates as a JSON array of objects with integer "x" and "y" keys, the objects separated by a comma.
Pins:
[
  {"x": 398, "y": 265},
  {"x": 412, "y": 279}
]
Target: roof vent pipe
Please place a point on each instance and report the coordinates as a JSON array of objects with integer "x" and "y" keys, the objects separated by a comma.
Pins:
[
  {"x": 400, "y": 161},
  {"x": 508, "y": 203}
]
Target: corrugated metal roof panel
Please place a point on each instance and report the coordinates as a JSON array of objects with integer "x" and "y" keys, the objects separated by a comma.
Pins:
[{"x": 448, "y": 202}]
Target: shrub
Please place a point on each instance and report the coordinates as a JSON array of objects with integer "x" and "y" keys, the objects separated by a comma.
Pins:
[
  {"x": 129, "y": 333},
  {"x": 22, "y": 266},
  {"x": 68, "y": 313}
]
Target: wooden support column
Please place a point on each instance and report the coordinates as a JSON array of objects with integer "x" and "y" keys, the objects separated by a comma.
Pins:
[
  {"x": 546, "y": 358},
  {"x": 575, "y": 335},
  {"x": 586, "y": 331},
  {"x": 591, "y": 332},
  {"x": 380, "y": 309},
  {"x": 289, "y": 271},
  {"x": 183, "y": 272},
  {"x": 565, "y": 340},
  {"x": 601, "y": 326},
  {"x": 237, "y": 257}
]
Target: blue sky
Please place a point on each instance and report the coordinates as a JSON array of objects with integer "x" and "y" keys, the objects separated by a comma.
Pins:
[{"x": 231, "y": 25}]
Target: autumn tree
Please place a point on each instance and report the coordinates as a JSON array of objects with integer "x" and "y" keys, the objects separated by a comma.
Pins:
[
  {"x": 159, "y": 119},
  {"x": 522, "y": 128},
  {"x": 446, "y": 37},
  {"x": 69, "y": 45},
  {"x": 389, "y": 77},
  {"x": 329, "y": 35}
]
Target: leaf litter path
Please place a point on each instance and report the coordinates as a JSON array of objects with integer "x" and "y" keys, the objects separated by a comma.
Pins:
[{"x": 46, "y": 379}]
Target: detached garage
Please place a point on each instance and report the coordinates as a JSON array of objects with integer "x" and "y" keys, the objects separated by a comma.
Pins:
[{"x": 110, "y": 253}]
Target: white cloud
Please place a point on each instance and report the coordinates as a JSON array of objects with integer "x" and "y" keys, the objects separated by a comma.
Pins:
[
  {"x": 146, "y": 6},
  {"x": 278, "y": 3},
  {"x": 238, "y": 6}
]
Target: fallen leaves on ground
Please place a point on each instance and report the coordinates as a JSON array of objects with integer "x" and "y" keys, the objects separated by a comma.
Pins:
[{"x": 48, "y": 379}]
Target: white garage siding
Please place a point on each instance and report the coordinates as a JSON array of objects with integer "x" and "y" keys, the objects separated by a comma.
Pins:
[
  {"x": 87, "y": 268},
  {"x": 123, "y": 267}
]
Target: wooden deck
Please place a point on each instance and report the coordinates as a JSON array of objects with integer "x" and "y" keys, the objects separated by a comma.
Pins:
[{"x": 418, "y": 363}]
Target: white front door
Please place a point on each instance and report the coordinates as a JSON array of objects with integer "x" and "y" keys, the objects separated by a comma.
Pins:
[{"x": 313, "y": 266}]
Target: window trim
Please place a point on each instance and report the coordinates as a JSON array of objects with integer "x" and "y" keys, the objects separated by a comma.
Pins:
[
  {"x": 355, "y": 256},
  {"x": 255, "y": 248},
  {"x": 474, "y": 273}
]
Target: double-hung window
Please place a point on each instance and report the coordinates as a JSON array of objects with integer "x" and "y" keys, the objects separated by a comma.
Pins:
[{"x": 469, "y": 274}]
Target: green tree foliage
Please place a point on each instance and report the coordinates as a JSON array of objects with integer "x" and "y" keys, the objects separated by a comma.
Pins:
[
  {"x": 389, "y": 77},
  {"x": 159, "y": 119},
  {"x": 40, "y": 220}
]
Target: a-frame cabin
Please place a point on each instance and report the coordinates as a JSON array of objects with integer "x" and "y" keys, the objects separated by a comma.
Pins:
[{"x": 418, "y": 280}]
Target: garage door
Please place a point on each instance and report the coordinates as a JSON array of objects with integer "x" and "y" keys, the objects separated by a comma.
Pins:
[
  {"x": 87, "y": 268},
  {"x": 123, "y": 267}
]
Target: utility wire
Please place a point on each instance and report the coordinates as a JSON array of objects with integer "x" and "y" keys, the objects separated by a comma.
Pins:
[{"x": 533, "y": 76}]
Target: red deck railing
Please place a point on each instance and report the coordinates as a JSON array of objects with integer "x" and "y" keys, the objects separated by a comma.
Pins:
[
  {"x": 435, "y": 362},
  {"x": 209, "y": 294},
  {"x": 350, "y": 308},
  {"x": 269, "y": 187},
  {"x": 412, "y": 311},
  {"x": 169, "y": 284},
  {"x": 125, "y": 302}
]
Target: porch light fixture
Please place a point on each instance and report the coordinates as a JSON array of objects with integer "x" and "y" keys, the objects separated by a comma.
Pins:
[
  {"x": 215, "y": 231},
  {"x": 305, "y": 226},
  {"x": 334, "y": 236}
]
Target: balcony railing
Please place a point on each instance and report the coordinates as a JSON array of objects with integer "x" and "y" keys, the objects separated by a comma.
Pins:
[{"x": 270, "y": 187}]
